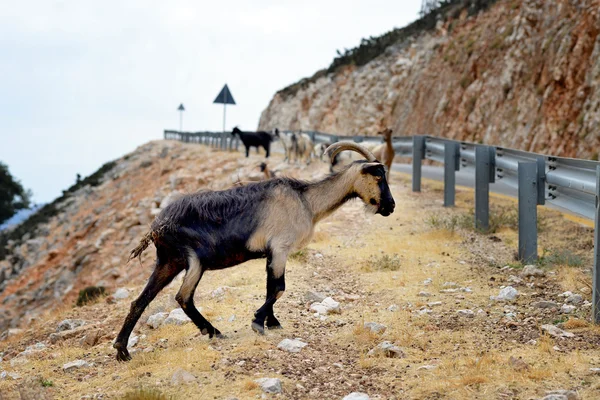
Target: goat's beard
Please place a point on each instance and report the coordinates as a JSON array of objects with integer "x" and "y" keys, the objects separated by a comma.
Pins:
[{"x": 371, "y": 209}]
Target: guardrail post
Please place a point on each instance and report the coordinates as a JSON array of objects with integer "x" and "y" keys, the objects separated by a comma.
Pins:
[
  {"x": 596, "y": 277},
  {"x": 528, "y": 200},
  {"x": 418, "y": 155},
  {"x": 482, "y": 187},
  {"x": 451, "y": 164}
]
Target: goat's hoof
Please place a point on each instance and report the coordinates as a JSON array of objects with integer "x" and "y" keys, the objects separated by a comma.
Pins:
[
  {"x": 278, "y": 326},
  {"x": 123, "y": 355},
  {"x": 258, "y": 328},
  {"x": 273, "y": 323}
]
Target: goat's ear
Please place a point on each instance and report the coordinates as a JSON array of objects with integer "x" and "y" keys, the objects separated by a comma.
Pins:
[{"x": 374, "y": 168}]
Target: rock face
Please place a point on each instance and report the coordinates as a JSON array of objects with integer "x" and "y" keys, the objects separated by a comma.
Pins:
[{"x": 524, "y": 74}]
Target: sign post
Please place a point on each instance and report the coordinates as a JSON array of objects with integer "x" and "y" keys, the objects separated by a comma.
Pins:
[
  {"x": 224, "y": 97},
  {"x": 181, "y": 109}
]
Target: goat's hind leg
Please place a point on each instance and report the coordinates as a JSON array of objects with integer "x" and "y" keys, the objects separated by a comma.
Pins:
[
  {"x": 162, "y": 275},
  {"x": 185, "y": 296}
]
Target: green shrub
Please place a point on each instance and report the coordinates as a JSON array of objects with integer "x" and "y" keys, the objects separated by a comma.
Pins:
[{"x": 90, "y": 294}]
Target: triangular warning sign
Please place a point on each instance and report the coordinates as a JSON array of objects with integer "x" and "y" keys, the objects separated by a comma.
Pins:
[{"x": 224, "y": 97}]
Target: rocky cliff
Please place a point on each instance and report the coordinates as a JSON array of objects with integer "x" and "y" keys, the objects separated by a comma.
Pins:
[{"x": 517, "y": 73}]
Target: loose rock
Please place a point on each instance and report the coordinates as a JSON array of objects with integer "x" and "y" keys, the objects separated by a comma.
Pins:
[
  {"x": 181, "y": 376},
  {"x": 156, "y": 320},
  {"x": 291, "y": 345},
  {"x": 509, "y": 293},
  {"x": 75, "y": 365},
  {"x": 465, "y": 313},
  {"x": 120, "y": 294},
  {"x": 177, "y": 317},
  {"x": 574, "y": 299},
  {"x": 557, "y": 332},
  {"x": 357, "y": 396},
  {"x": 68, "y": 324},
  {"x": 313, "y": 297},
  {"x": 269, "y": 385},
  {"x": 387, "y": 349},
  {"x": 375, "y": 327},
  {"x": 545, "y": 304},
  {"x": 568, "y": 394},
  {"x": 532, "y": 270},
  {"x": 567, "y": 309}
]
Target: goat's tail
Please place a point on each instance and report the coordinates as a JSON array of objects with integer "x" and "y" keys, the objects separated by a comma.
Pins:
[{"x": 139, "y": 249}]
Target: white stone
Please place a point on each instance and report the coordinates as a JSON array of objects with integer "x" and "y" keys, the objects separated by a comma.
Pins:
[
  {"x": 465, "y": 313},
  {"x": 291, "y": 345},
  {"x": 557, "y": 332},
  {"x": 568, "y": 394},
  {"x": 375, "y": 327},
  {"x": 75, "y": 365},
  {"x": 387, "y": 349},
  {"x": 434, "y": 304},
  {"x": 357, "y": 396},
  {"x": 177, "y": 317},
  {"x": 121, "y": 294},
  {"x": 427, "y": 282},
  {"x": 595, "y": 370},
  {"x": 327, "y": 306},
  {"x": 231, "y": 319},
  {"x": 68, "y": 324},
  {"x": 313, "y": 297},
  {"x": 427, "y": 367},
  {"x": 532, "y": 270},
  {"x": 566, "y": 294},
  {"x": 574, "y": 299},
  {"x": 393, "y": 308},
  {"x": 424, "y": 294},
  {"x": 181, "y": 376},
  {"x": 133, "y": 340},
  {"x": 220, "y": 291},
  {"x": 508, "y": 293},
  {"x": 269, "y": 385},
  {"x": 156, "y": 320},
  {"x": 567, "y": 309}
]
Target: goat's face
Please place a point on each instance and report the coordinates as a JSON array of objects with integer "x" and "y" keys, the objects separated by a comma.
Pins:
[
  {"x": 372, "y": 187},
  {"x": 235, "y": 131},
  {"x": 386, "y": 133}
]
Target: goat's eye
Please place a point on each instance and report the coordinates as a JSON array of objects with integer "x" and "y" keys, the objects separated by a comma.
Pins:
[{"x": 378, "y": 178}]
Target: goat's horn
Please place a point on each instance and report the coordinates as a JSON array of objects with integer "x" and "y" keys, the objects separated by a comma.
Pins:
[{"x": 338, "y": 147}]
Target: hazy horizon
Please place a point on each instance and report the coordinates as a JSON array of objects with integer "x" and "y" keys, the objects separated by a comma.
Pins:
[{"x": 83, "y": 83}]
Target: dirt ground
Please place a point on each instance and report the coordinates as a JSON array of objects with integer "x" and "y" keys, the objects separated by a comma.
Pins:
[{"x": 412, "y": 272}]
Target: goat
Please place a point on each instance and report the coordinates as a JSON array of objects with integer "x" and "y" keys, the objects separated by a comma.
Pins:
[
  {"x": 265, "y": 169},
  {"x": 385, "y": 152},
  {"x": 303, "y": 147},
  {"x": 319, "y": 150},
  {"x": 254, "y": 139},
  {"x": 210, "y": 230},
  {"x": 287, "y": 141}
]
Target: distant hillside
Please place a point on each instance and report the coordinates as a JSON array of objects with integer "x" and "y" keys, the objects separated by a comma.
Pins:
[{"x": 516, "y": 73}]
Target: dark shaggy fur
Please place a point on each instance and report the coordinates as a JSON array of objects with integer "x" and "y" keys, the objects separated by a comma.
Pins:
[{"x": 254, "y": 139}]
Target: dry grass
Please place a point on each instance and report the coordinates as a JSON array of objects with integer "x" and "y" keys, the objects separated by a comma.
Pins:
[{"x": 472, "y": 360}]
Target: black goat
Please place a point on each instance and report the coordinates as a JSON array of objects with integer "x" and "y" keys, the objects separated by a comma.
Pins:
[
  {"x": 214, "y": 230},
  {"x": 254, "y": 139}
]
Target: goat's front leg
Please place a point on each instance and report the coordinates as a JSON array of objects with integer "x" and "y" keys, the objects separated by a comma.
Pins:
[{"x": 275, "y": 288}]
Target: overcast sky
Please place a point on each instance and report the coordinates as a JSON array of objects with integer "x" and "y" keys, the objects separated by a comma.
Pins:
[{"x": 84, "y": 82}]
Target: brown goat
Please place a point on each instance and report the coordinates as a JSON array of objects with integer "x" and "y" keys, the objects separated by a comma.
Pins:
[{"x": 385, "y": 152}]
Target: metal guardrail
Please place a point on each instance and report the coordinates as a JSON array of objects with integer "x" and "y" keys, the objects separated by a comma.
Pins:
[{"x": 568, "y": 183}]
